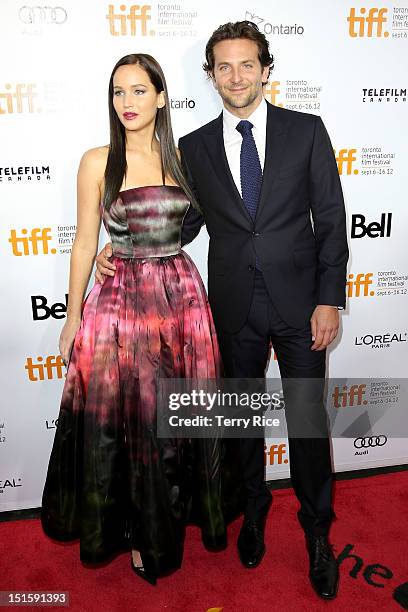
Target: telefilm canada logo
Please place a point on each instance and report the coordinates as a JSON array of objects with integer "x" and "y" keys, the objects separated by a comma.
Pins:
[
  {"x": 274, "y": 29},
  {"x": 27, "y": 173},
  {"x": 384, "y": 95}
]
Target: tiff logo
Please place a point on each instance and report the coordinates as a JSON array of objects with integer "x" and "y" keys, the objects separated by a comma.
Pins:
[
  {"x": 19, "y": 100},
  {"x": 52, "y": 367},
  {"x": 354, "y": 285},
  {"x": 136, "y": 14},
  {"x": 353, "y": 396},
  {"x": 366, "y": 23},
  {"x": 34, "y": 244},
  {"x": 345, "y": 158},
  {"x": 272, "y": 92},
  {"x": 275, "y": 455}
]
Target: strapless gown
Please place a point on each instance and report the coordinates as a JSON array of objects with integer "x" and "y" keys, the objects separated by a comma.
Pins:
[{"x": 111, "y": 482}]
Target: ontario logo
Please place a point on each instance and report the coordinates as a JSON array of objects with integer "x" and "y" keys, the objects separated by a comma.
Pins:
[
  {"x": 275, "y": 29},
  {"x": 129, "y": 20},
  {"x": 368, "y": 23}
]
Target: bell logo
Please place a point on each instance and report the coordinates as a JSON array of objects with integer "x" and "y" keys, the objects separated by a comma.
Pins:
[
  {"x": 375, "y": 229},
  {"x": 19, "y": 100},
  {"x": 364, "y": 24},
  {"x": 275, "y": 454},
  {"x": 34, "y": 244},
  {"x": 41, "y": 311},
  {"x": 136, "y": 14},
  {"x": 346, "y": 157},
  {"x": 271, "y": 93},
  {"x": 52, "y": 367},
  {"x": 353, "y": 396},
  {"x": 354, "y": 285}
]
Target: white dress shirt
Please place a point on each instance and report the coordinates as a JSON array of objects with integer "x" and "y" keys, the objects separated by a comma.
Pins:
[{"x": 233, "y": 139}]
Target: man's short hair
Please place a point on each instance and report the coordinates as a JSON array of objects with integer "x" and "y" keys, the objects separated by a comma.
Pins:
[{"x": 231, "y": 31}]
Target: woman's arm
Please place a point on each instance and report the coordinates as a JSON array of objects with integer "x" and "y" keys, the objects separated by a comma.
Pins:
[{"x": 90, "y": 174}]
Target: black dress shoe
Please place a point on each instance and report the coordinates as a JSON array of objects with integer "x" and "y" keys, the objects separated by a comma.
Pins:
[
  {"x": 141, "y": 572},
  {"x": 324, "y": 569},
  {"x": 251, "y": 546}
]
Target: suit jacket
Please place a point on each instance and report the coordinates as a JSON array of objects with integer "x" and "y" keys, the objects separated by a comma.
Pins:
[{"x": 299, "y": 232}]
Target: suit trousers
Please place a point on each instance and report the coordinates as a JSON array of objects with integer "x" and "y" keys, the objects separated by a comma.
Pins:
[{"x": 245, "y": 354}]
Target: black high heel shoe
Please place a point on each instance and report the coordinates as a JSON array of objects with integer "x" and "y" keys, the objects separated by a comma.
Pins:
[{"x": 140, "y": 571}]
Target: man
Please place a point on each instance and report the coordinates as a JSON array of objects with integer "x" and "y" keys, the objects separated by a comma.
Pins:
[{"x": 260, "y": 173}]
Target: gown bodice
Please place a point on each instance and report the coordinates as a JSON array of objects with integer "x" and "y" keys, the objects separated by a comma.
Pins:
[{"x": 146, "y": 221}]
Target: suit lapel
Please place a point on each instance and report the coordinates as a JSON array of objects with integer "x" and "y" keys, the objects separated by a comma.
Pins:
[
  {"x": 276, "y": 133},
  {"x": 214, "y": 142}
]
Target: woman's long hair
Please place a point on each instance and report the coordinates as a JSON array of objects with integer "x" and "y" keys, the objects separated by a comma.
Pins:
[{"x": 116, "y": 166}]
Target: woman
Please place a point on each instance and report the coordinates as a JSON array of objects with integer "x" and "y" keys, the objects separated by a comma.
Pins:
[{"x": 111, "y": 482}]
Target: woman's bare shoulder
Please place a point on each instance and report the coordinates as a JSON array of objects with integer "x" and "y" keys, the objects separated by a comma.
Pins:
[
  {"x": 96, "y": 157},
  {"x": 93, "y": 164}
]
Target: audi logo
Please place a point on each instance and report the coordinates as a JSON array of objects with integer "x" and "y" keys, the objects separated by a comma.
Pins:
[
  {"x": 43, "y": 14},
  {"x": 370, "y": 441}
]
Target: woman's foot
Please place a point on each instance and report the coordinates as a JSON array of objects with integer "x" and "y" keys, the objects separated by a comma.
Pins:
[{"x": 137, "y": 567}]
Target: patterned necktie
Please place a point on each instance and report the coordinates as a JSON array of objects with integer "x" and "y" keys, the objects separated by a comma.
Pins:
[{"x": 251, "y": 171}]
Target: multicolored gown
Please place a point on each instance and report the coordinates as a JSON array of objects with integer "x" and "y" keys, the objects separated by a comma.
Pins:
[{"x": 111, "y": 482}]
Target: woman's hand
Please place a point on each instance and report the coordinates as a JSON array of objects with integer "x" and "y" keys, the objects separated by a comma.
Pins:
[{"x": 67, "y": 337}]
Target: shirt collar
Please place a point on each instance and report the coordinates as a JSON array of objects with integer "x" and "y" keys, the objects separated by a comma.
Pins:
[{"x": 257, "y": 118}]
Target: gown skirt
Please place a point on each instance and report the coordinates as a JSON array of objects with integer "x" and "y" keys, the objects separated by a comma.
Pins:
[{"x": 111, "y": 482}]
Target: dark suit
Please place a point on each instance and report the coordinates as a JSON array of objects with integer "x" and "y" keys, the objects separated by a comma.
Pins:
[{"x": 303, "y": 264}]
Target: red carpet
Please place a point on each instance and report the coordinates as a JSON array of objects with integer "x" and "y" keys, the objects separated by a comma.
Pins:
[{"x": 371, "y": 523}]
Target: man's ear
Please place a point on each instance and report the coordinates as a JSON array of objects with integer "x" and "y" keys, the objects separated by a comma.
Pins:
[
  {"x": 161, "y": 102},
  {"x": 213, "y": 80},
  {"x": 265, "y": 75}
]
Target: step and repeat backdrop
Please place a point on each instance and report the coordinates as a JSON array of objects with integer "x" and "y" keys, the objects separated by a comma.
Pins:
[{"x": 341, "y": 60}]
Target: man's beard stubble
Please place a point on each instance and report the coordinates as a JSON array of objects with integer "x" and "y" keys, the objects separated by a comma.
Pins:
[{"x": 249, "y": 98}]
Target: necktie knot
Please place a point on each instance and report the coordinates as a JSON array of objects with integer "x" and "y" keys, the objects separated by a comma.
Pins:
[{"x": 244, "y": 127}]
